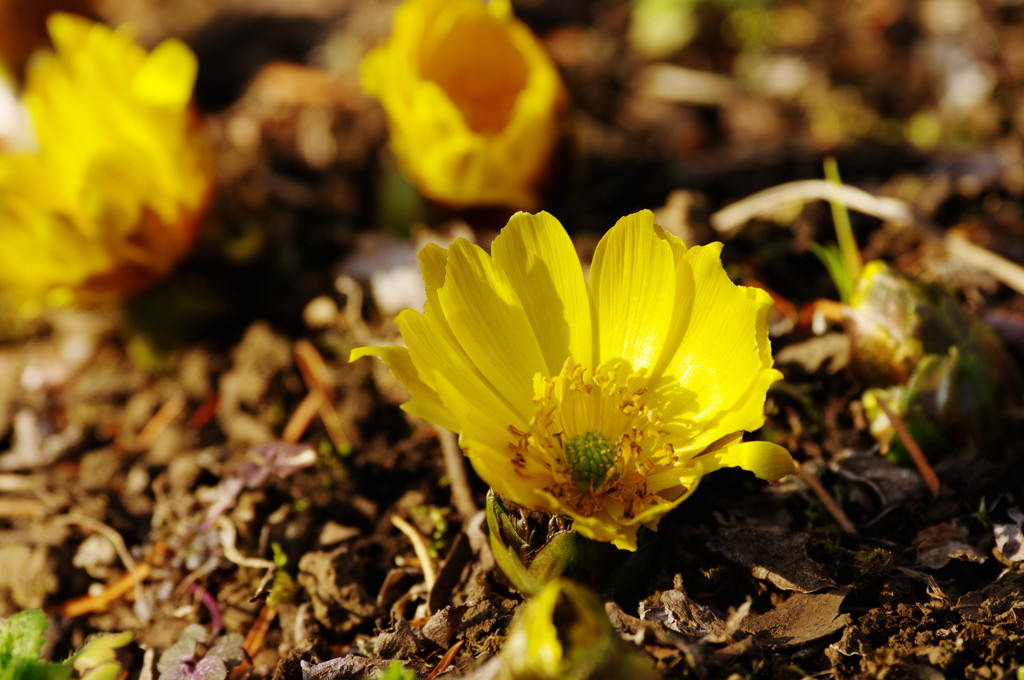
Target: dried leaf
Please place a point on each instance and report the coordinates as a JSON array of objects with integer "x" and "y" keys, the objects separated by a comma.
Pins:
[
  {"x": 811, "y": 354},
  {"x": 1010, "y": 538},
  {"x": 778, "y": 557},
  {"x": 939, "y": 544},
  {"x": 344, "y": 668},
  {"x": 803, "y": 618}
]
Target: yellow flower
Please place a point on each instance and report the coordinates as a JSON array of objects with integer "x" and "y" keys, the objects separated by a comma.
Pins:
[
  {"x": 604, "y": 401},
  {"x": 472, "y": 101},
  {"x": 108, "y": 195}
]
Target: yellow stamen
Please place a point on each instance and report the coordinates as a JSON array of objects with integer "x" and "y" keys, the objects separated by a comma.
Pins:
[{"x": 601, "y": 431}]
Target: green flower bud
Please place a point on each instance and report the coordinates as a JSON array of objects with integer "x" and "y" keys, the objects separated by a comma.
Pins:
[
  {"x": 526, "y": 565},
  {"x": 951, "y": 378},
  {"x": 893, "y": 321},
  {"x": 563, "y": 633}
]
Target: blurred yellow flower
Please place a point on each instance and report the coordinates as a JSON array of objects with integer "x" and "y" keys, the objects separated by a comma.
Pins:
[
  {"x": 472, "y": 99},
  {"x": 107, "y": 195},
  {"x": 605, "y": 402}
]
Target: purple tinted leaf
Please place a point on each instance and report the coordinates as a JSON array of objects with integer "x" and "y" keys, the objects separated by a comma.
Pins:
[
  {"x": 209, "y": 668},
  {"x": 182, "y": 650},
  {"x": 180, "y": 661},
  {"x": 229, "y": 648}
]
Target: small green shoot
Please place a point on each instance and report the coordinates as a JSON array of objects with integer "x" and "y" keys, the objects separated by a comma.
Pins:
[
  {"x": 97, "y": 660},
  {"x": 283, "y": 588},
  {"x": 843, "y": 260},
  {"x": 396, "y": 671}
]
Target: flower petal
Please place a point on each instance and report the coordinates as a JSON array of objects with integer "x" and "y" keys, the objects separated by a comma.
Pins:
[
  {"x": 436, "y": 359},
  {"x": 425, "y": 403},
  {"x": 603, "y": 527},
  {"x": 632, "y": 291},
  {"x": 725, "y": 349},
  {"x": 467, "y": 131},
  {"x": 433, "y": 264},
  {"x": 537, "y": 256},
  {"x": 485, "y": 314},
  {"x": 600, "y": 526},
  {"x": 167, "y": 75},
  {"x": 435, "y": 350},
  {"x": 682, "y": 306},
  {"x": 768, "y": 461},
  {"x": 491, "y": 460}
]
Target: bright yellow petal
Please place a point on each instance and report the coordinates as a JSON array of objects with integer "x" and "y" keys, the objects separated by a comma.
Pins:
[
  {"x": 768, "y": 461},
  {"x": 443, "y": 366},
  {"x": 433, "y": 264},
  {"x": 435, "y": 348},
  {"x": 725, "y": 348},
  {"x": 167, "y": 75},
  {"x": 69, "y": 33},
  {"x": 605, "y": 528},
  {"x": 118, "y": 176},
  {"x": 485, "y": 314},
  {"x": 467, "y": 131},
  {"x": 488, "y": 453},
  {"x": 424, "y": 402},
  {"x": 538, "y": 257},
  {"x": 632, "y": 291},
  {"x": 682, "y": 306}
]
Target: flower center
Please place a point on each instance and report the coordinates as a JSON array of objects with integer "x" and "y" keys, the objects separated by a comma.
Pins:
[
  {"x": 479, "y": 66},
  {"x": 594, "y": 439},
  {"x": 591, "y": 457}
]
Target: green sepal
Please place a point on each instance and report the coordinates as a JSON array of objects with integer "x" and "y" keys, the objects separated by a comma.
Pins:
[{"x": 528, "y": 568}]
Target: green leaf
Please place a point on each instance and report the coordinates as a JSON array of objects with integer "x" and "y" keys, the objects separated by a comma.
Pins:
[
  {"x": 506, "y": 556},
  {"x": 396, "y": 671},
  {"x": 21, "y": 639},
  {"x": 848, "y": 249},
  {"x": 832, "y": 258}
]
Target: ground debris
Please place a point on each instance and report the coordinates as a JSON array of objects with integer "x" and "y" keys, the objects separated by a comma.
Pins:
[
  {"x": 800, "y": 619},
  {"x": 343, "y": 668},
  {"x": 949, "y": 639},
  {"x": 778, "y": 557},
  {"x": 335, "y": 581},
  {"x": 138, "y": 419}
]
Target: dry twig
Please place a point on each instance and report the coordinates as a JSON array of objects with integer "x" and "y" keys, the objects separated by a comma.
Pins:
[
  {"x": 732, "y": 217},
  {"x": 826, "y": 499},
  {"x": 120, "y": 547},
  {"x": 254, "y": 638},
  {"x": 916, "y": 454},
  {"x": 155, "y": 426},
  {"x": 419, "y": 546},
  {"x": 455, "y": 466},
  {"x": 228, "y": 536},
  {"x": 316, "y": 375},
  {"x": 21, "y": 508},
  {"x": 115, "y": 590},
  {"x": 301, "y": 417},
  {"x": 446, "y": 660},
  {"x": 963, "y": 249}
]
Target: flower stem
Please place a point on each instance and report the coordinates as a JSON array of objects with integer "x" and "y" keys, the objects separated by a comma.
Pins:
[{"x": 916, "y": 454}]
